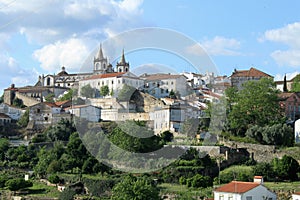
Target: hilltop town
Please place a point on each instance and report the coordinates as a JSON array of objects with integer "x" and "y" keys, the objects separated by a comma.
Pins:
[{"x": 237, "y": 130}]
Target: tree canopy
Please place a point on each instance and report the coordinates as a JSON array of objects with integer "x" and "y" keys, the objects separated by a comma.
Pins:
[
  {"x": 87, "y": 91},
  {"x": 135, "y": 188},
  {"x": 255, "y": 104},
  {"x": 296, "y": 84}
]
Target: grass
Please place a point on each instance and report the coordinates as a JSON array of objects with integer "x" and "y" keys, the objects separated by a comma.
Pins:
[
  {"x": 42, "y": 190},
  {"x": 168, "y": 188},
  {"x": 283, "y": 186}
]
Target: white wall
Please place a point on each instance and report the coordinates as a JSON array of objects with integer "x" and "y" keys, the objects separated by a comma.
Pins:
[
  {"x": 259, "y": 192},
  {"x": 297, "y": 131}
]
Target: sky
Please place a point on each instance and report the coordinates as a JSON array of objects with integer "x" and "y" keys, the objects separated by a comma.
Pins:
[{"x": 39, "y": 37}]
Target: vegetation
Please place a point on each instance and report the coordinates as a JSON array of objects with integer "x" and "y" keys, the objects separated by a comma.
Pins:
[
  {"x": 87, "y": 91},
  {"x": 104, "y": 90},
  {"x": 23, "y": 121},
  {"x": 50, "y": 97},
  {"x": 296, "y": 84},
  {"x": 125, "y": 93},
  {"x": 255, "y": 104},
  {"x": 17, "y": 184},
  {"x": 138, "y": 188},
  {"x": 68, "y": 95},
  {"x": 18, "y": 103}
]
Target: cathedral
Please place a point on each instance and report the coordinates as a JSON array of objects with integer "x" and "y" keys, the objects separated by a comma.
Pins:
[{"x": 100, "y": 64}]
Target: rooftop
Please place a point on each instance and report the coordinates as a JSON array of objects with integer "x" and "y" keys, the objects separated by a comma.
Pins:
[
  {"x": 252, "y": 72},
  {"x": 237, "y": 187},
  {"x": 108, "y": 75},
  {"x": 152, "y": 77}
]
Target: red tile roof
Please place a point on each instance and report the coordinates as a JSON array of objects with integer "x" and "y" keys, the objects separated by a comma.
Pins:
[
  {"x": 59, "y": 103},
  {"x": 252, "y": 72},
  {"x": 237, "y": 187},
  {"x": 108, "y": 75}
]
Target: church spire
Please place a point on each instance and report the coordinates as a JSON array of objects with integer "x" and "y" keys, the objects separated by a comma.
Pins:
[
  {"x": 122, "y": 61},
  {"x": 122, "y": 66},
  {"x": 100, "y": 53}
]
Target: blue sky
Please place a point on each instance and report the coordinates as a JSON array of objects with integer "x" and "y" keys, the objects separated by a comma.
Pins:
[{"x": 38, "y": 37}]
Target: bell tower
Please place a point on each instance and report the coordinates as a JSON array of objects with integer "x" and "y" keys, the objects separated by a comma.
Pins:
[
  {"x": 122, "y": 66},
  {"x": 100, "y": 63}
]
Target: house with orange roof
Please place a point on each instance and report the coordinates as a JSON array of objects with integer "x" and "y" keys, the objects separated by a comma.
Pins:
[
  {"x": 296, "y": 196},
  {"x": 239, "y": 77},
  {"x": 237, "y": 190}
]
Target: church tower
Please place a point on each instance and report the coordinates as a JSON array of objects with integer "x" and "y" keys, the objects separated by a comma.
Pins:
[
  {"x": 100, "y": 63},
  {"x": 122, "y": 66}
]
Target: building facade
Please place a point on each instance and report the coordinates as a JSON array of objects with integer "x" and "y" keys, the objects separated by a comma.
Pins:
[{"x": 239, "y": 77}]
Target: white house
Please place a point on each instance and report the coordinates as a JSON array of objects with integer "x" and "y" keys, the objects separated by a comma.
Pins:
[
  {"x": 237, "y": 190},
  {"x": 296, "y": 196},
  {"x": 13, "y": 112},
  {"x": 88, "y": 112},
  {"x": 160, "y": 85}
]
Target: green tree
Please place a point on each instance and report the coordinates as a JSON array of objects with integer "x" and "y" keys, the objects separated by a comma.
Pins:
[
  {"x": 286, "y": 168},
  {"x": 296, "y": 84},
  {"x": 264, "y": 169},
  {"x": 23, "y": 121},
  {"x": 17, "y": 184},
  {"x": 4, "y": 145},
  {"x": 255, "y": 104},
  {"x": 135, "y": 188},
  {"x": 87, "y": 91},
  {"x": 68, "y": 95},
  {"x": 126, "y": 92},
  {"x": 18, "y": 103},
  {"x": 104, "y": 90},
  {"x": 53, "y": 178},
  {"x": 50, "y": 97}
]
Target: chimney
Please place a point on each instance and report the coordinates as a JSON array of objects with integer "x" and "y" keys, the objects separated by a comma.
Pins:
[{"x": 258, "y": 179}]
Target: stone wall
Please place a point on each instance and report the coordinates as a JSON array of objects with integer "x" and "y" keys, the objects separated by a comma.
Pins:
[
  {"x": 27, "y": 101},
  {"x": 260, "y": 153}
]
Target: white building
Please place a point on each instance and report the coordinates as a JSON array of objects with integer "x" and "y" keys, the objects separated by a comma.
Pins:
[
  {"x": 13, "y": 112},
  {"x": 194, "y": 80},
  {"x": 88, "y": 112},
  {"x": 114, "y": 81},
  {"x": 296, "y": 196},
  {"x": 237, "y": 190},
  {"x": 160, "y": 85}
]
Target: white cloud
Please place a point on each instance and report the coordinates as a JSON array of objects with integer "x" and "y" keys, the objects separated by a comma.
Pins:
[
  {"x": 287, "y": 35},
  {"x": 70, "y": 53},
  {"x": 289, "y": 76},
  {"x": 218, "y": 46},
  {"x": 11, "y": 72}
]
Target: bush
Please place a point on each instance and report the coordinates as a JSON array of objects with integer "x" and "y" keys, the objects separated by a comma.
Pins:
[
  {"x": 54, "y": 179},
  {"x": 17, "y": 184},
  {"x": 240, "y": 173},
  {"x": 199, "y": 181}
]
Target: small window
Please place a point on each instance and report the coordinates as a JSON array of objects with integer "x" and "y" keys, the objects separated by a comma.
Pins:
[
  {"x": 112, "y": 82},
  {"x": 172, "y": 83},
  {"x": 249, "y": 198},
  {"x": 58, "y": 85},
  {"x": 38, "y": 110},
  {"x": 46, "y": 118}
]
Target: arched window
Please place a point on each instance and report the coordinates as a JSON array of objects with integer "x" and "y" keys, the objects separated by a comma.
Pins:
[
  {"x": 104, "y": 67},
  {"x": 120, "y": 70},
  {"x": 48, "y": 81},
  {"x": 126, "y": 69}
]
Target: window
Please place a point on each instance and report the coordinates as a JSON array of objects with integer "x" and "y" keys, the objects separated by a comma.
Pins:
[
  {"x": 249, "y": 198},
  {"x": 38, "y": 110},
  {"x": 46, "y": 118},
  {"x": 230, "y": 197},
  {"x": 172, "y": 83},
  {"x": 48, "y": 81},
  {"x": 112, "y": 82},
  {"x": 221, "y": 197}
]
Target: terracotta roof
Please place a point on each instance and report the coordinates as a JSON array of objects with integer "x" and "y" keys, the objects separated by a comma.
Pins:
[
  {"x": 51, "y": 104},
  {"x": 258, "y": 177},
  {"x": 297, "y": 193},
  {"x": 152, "y": 77},
  {"x": 59, "y": 103},
  {"x": 108, "y": 75},
  {"x": 285, "y": 95},
  {"x": 237, "y": 187},
  {"x": 252, "y": 72},
  {"x": 2, "y": 115}
]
